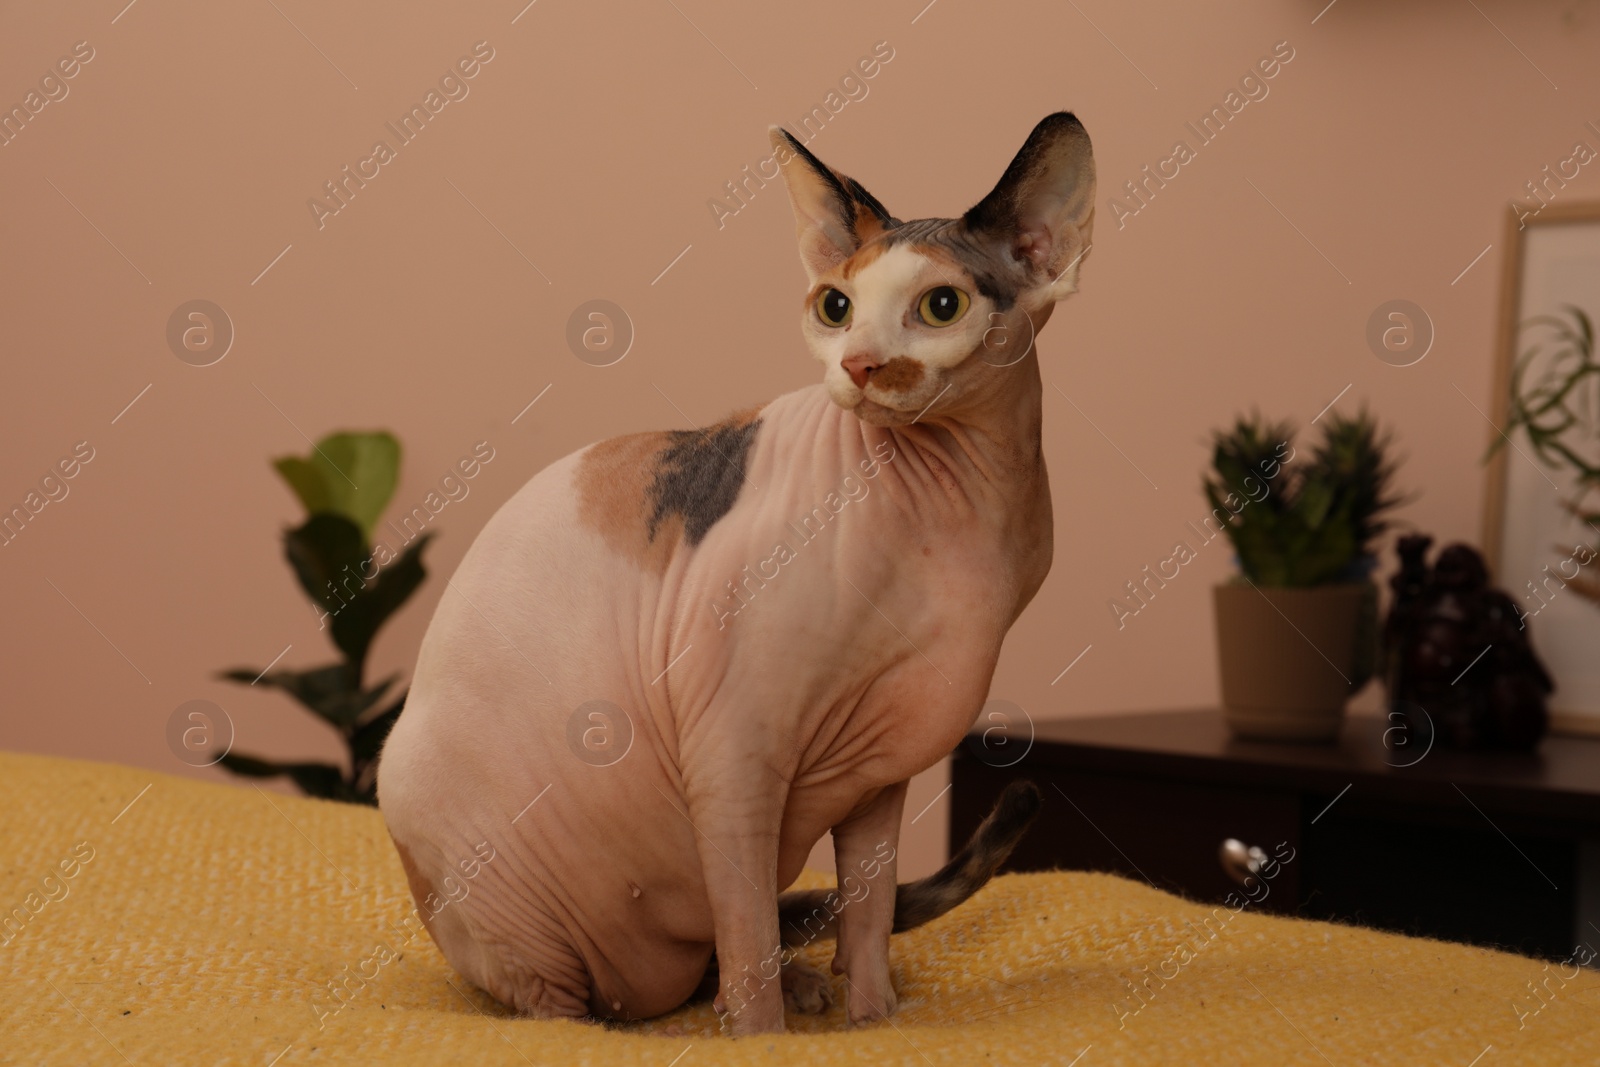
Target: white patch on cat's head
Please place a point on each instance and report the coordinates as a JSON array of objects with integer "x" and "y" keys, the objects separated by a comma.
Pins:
[{"x": 907, "y": 362}]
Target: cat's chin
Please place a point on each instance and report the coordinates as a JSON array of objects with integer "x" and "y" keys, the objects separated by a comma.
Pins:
[{"x": 875, "y": 414}]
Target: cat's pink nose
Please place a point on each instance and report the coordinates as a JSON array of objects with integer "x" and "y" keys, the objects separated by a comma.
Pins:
[{"x": 860, "y": 367}]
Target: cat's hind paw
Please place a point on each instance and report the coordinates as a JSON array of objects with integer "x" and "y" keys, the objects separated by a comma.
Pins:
[{"x": 806, "y": 990}]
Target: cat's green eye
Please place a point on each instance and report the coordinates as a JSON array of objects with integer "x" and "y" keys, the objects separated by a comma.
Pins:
[
  {"x": 942, "y": 305},
  {"x": 833, "y": 307}
]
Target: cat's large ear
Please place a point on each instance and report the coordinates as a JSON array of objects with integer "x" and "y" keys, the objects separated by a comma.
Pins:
[
  {"x": 1042, "y": 211},
  {"x": 833, "y": 214}
]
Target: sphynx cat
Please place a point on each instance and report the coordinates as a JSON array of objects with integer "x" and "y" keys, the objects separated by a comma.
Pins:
[{"x": 673, "y": 661}]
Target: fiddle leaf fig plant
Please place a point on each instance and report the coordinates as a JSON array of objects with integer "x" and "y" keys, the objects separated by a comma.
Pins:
[
  {"x": 1307, "y": 523},
  {"x": 344, "y": 485}
]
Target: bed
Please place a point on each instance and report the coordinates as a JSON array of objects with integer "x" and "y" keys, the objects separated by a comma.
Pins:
[{"x": 159, "y": 920}]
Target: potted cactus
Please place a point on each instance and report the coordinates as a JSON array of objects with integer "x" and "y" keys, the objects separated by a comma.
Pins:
[{"x": 1297, "y": 629}]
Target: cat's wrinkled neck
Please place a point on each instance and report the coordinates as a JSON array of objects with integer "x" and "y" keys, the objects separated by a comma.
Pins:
[{"x": 996, "y": 433}]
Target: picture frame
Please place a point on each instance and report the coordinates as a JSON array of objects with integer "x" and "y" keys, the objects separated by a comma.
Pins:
[{"x": 1537, "y": 550}]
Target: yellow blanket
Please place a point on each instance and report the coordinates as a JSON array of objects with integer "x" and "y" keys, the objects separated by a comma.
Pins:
[{"x": 156, "y": 920}]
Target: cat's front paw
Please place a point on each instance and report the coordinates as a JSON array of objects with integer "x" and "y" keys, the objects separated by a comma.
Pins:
[
  {"x": 806, "y": 990},
  {"x": 871, "y": 998}
]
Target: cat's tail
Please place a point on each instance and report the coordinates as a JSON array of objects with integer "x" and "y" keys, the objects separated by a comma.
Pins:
[{"x": 809, "y": 915}]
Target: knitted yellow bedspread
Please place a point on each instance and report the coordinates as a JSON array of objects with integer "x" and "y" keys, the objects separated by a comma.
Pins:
[{"x": 155, "y": 920}]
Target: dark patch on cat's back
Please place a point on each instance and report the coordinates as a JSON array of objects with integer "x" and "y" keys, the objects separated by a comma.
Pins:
[
  {"x": 646, "y": 493},
  {"x": 698, "y": 475}
]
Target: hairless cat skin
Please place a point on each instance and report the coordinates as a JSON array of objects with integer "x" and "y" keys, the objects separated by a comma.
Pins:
[{"x": 673, "y": 661}]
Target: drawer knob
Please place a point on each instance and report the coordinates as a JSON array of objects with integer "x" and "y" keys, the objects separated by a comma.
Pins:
[{"x": 1241, "y": 862}]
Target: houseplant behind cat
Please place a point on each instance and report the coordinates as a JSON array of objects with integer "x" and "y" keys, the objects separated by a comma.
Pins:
[{"x": 786, "y": 615}]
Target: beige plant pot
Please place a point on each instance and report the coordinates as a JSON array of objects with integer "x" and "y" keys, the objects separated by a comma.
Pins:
[{"x": 1291, "y": 658}]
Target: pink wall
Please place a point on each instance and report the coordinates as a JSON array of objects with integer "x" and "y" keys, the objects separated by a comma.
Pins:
[{"x": 593, "y": 140}]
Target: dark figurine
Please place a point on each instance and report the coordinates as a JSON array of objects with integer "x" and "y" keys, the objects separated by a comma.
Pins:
[{"x": 1457, "y": 650}]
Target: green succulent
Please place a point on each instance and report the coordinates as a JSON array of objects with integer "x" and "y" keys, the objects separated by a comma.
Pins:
[{"x": 1302, "y": 521}]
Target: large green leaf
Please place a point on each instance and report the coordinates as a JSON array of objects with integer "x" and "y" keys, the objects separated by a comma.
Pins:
[
  {"x": 349, "y": 474},
  {"x": 358, "y": 621},
  {"x": 330, "y": 692},
  {"x": 328, "y": 554},
  {"x": 330, "y": 557}
]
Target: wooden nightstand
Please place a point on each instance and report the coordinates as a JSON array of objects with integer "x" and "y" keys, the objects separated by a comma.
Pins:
[{"x": 1492, "y": 849}]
